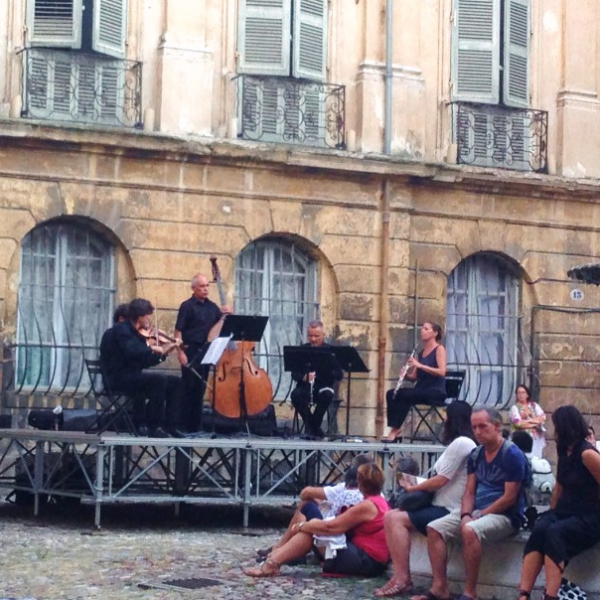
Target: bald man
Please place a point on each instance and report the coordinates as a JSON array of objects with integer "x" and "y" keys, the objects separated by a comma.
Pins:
[{"x": 196, "y": 317}]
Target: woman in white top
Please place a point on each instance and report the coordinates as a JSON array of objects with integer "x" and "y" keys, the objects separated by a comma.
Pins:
[
  {"x": 529, "y": 416},
  {"x": 448, "y": 483}
]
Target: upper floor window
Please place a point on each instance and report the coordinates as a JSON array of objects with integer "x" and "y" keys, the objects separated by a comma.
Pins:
[
  {"x": 90, "y": 25},
  {"x": 490, "y": 51},
  {"x": 65, "y": 299},
  {"x": 284, "y": 38}
]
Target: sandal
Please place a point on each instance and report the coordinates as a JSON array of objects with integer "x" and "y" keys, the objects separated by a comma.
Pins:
[
  {"x": 524, "y": 594},
  {"x": 393, "y": 588},
  {"x": 263, "y": 571}
]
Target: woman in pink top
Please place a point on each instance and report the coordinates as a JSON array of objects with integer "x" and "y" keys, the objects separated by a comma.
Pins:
[{"x": 366, "y": 553}]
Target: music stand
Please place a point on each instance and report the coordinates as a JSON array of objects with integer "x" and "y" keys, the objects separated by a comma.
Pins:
[
  {"x": 211, "y": 355},
  {"x": 244, "y": 328},
  {"x": 349, "y": 360}
]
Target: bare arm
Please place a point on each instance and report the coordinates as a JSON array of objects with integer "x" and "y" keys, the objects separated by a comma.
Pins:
[
  {"x": 359, "y": 513},
  {"x": 508, "y": 499},
  {"x": 440, "y": 371},
  {"x": 556, "y": 494},
  {"x": 430, "y": 485},
  {"x": 313, "y": 493},
  {"x": 591, "y": 461},
  {"x": 468, "y": 499}
]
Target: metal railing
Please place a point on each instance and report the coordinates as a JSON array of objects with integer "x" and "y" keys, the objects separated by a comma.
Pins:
[
  {"x": 291, "y": 111},
  {"x": 78, "y": 87},
  {"x": 501, "y": 137}
]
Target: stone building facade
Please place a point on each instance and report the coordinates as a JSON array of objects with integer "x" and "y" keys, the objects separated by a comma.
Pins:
[{"x": 453, "y": 179}]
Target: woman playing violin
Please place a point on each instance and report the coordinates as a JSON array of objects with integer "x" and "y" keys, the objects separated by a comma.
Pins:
[{"x": 125, "y": 356}]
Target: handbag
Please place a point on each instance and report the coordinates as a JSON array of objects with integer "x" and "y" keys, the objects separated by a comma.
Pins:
[
  {"x": 570, "y": 591},
  {"x": 410, "y": 501}
]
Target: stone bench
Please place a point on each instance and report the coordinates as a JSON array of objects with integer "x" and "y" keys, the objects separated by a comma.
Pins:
[{"x": 500, "y": 572}]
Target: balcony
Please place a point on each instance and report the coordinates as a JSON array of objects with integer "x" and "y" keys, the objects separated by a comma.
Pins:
[
  {"x": 83, "y": 88},
  {"x": 291, "y": 111},
  {"x": 501, "y": 137}
]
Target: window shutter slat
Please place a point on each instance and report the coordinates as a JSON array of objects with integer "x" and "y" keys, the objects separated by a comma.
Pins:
[
  {"x": 264, "y": 37},
  {"x": 310, "y": 39},
  {"x": 110, "y": 27},
  {"x": 476, "y": 51},
  {"x": 516, "y": 53},
  {"x": 54, "y": 23}
]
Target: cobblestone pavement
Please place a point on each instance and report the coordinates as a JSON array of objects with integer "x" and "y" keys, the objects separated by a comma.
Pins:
[{"x": 61, "y": 555}]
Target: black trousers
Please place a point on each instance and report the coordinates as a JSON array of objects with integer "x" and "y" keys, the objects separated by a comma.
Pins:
[
  {"x": 354, "y": 561},
  {"x": 301, "y": 399},
  {"x": 400, "y": 403},
  {"x": 193, "y": 388},
  {"x": 164, "y": 397}
]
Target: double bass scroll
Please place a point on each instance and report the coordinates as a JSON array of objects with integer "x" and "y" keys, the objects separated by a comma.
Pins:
[{"x": 241, "y": 388}]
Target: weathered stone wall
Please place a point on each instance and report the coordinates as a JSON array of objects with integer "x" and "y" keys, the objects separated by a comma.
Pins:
[{"x": 169, "y": 204}]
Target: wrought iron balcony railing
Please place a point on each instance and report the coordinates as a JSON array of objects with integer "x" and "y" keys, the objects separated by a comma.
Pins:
[
  {"x": 502, "y": 137},
  {"x": 77, "y": 87},
  {"x": 291, "y": 111}
]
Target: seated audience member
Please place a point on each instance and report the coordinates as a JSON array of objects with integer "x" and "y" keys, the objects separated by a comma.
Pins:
[
  {"x": 447, "y": 482},
  {"x": 527, "y": 415},
  {"x": 321, "y": 502},
  {"x": 591, "y": 438},
  {"x": 572, "y": 524},
  {"x": 365, "y": 554},
  {"x": 492, "y": 506}
]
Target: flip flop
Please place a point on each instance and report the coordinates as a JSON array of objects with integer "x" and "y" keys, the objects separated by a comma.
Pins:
[
  {"x": 391, "y": 589},
  {"x": 261, "y": 572}
]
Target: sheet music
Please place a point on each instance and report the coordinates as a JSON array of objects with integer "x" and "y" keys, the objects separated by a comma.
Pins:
[{"x": 215, "y": 350}]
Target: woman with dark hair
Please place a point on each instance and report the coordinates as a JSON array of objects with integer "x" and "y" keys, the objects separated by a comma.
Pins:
[
  {"x": 428, "y": 371},
  {"x": 366, "y": 553},
  {"x": 448, "y": 483},
  {"x": 527, "y": 415},
  {"x": 572, "y": 524}
]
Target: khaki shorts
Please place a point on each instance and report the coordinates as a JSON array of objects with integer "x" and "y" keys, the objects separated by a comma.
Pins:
[{"x": 489, "y": 528}]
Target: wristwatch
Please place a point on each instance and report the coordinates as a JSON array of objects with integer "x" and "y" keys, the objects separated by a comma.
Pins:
[{"x": 465, "y": 515}]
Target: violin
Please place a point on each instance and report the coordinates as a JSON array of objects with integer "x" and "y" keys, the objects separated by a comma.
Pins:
[
  {"x": 228, "y": 399},
  {"x": 158, "y": 337}
]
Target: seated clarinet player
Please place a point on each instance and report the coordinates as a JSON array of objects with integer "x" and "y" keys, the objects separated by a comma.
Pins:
[
  {"x": 316, "y": 386},
  {"x": 428, "y": 371}
]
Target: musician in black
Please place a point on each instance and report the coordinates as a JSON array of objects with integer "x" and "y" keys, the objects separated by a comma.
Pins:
[
  {"x": 196, "y": 318},
  {"x": 317, "y": 386},
  {"x": 125, "y": 354}
]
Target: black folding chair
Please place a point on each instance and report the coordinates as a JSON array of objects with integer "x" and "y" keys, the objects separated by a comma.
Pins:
[
  {"x": 114, "y": 407},
  {"x": 431, "y": 416}
]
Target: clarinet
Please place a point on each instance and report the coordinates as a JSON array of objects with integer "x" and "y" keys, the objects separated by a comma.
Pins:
[{"x": 404, "y": 371}]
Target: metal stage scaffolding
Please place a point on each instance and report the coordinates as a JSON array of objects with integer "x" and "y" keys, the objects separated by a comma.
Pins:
[{"x": 37, "y": 466}]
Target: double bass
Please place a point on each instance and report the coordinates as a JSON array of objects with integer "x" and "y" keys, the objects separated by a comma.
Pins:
[{"x": 241, "y": 388}]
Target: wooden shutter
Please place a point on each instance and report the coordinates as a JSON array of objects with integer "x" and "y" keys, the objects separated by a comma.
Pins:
[
  {"x": 54, "y": 23},
  {"x": 310, "y": 39},
  {"x": 264, "y": 37},
  {"x": 110, "y": 27},
  {"x": 516, "y": 53},
  {"x": 476, "y": 51}
]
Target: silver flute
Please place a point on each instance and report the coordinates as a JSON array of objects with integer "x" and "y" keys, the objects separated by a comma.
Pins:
[{"x": 404, "y": 371}]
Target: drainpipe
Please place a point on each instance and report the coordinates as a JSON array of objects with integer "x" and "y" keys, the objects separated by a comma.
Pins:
[
  {"x": 389, "y": 29},
  {"x": 383, "y": 308}
]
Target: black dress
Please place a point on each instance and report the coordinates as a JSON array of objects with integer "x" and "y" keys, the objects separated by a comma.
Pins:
[
  {"x": 428, "y": 389},
  {"x": 574, "y": 525}
]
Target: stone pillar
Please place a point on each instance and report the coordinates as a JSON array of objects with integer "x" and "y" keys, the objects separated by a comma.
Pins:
[
  {"x": 578, "y": 106},
  {"x": 186, "y": 70}
]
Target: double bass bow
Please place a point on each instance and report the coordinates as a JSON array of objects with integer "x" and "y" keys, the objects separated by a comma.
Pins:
[{"x": 241, "y": 388}]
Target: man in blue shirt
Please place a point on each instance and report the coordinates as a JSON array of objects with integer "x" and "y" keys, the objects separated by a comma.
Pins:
[{"x": 492, "y": 506}]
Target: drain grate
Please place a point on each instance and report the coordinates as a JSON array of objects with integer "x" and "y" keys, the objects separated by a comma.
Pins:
[{"x": 194, "y": 583}]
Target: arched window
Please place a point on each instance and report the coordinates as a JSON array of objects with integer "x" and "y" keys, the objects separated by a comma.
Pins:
[
  {"x": 483, "y": 328},
  {"x": 275, "y": 278},
  {"x": 65, "y": 299}
]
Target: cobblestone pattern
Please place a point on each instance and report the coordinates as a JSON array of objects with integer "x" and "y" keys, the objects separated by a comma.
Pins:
[{"x": 61, "y": 556}]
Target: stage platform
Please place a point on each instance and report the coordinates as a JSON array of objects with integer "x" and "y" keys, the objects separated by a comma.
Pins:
[{"x": 41, "y": 466}]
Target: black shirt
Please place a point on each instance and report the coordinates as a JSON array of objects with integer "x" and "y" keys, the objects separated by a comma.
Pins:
[
  {"x": 195, "y": 319},
  {"x": 124, "y": 351}
]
